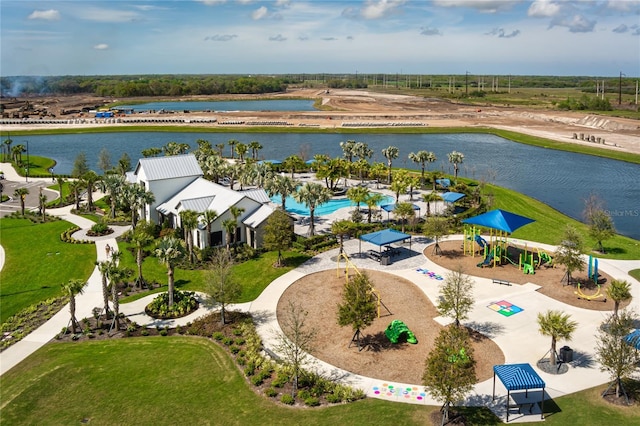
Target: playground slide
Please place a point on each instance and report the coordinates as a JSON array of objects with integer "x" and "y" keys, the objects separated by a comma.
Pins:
[
  {"x": 486, "y": 262},
  {"x": 481, "y": 241}
]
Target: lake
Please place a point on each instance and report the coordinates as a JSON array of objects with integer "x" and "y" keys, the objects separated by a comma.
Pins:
[
  {"x": 221, "y": 106},
  {"x": 560, "y": 179}
]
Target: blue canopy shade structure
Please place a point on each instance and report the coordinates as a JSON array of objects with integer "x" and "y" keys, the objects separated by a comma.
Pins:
[
  {"x": 518, "y": 377},
  {"x": 499, "y": 219},
  {"x": 633, "y": 339},
  {"x": 385, "y": 237},
  {"x": 270, "y": 161},
  {"x": 452, "y": 197},
  {"x": 309, "y": 162},
  {"x": 391, "y": 207},
  {"x": 445, "y": 183}
]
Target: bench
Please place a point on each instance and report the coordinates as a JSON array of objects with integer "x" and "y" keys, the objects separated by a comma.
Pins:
[
  {"x": 501, "y": 282},
  {"x": 374, "y": 255}
]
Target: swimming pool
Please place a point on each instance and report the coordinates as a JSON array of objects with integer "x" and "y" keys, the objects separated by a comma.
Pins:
[{"x": 323, "y": 209}]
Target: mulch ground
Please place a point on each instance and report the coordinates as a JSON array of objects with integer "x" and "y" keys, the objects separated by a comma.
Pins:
[
  {"x": 320, "y": 293},
  {"x": 550, "y": 279}
]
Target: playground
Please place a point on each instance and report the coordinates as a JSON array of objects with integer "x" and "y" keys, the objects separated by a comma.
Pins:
[
  {"x": 320, "y": 294},
  {"x": 549, "y": 278}
]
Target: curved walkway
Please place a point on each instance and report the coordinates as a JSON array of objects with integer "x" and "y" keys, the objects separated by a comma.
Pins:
[{"x": 517, "y": 336}]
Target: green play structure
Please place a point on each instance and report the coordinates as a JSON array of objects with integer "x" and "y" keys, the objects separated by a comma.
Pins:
[{"x": 396, "y": 329}]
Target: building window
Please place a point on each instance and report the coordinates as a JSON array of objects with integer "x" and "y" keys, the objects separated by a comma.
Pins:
[{"x": 215, "y": 239}]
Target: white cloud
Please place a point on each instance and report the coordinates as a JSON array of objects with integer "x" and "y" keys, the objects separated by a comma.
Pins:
[
  {"x": 101, "y": 46},
  {"x": 106, "y": 15},
  {"x": 543, "y": 9},
  {"x": 576, "y": 24},
  {"x": 46, "y": 15},
  {"x": 278, "y": 37},
  {"x": 376, "y": 9},
  {"x": 259, "y": 13},
  {"x": 283, "y": 3},
  {"x": 485, "y": 6},
  {"x": 624, "y": 6}
]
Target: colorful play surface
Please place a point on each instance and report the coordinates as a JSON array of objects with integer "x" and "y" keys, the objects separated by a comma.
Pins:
[
  {"x": 390, "y": 391},
  {"x": 505, "y": 308},
  {"x": 430, "y": 274}
]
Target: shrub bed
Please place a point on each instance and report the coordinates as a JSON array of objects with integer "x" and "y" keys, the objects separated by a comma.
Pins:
[{"x": 184, "y": 303}]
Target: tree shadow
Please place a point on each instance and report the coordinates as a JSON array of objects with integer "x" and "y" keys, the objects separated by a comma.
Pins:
[
  {"x": 487, "y": 328},
  {"x": 582, "y": 359},
  {"x": 379, "y": 342}
]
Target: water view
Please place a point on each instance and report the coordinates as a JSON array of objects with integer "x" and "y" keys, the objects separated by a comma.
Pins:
[
  {"x": 262, "y": 105},
  {"x": 560, "y": 179}
]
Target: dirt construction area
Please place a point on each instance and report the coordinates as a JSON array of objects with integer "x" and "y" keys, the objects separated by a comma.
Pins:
[{"x": 353, "y": 109}]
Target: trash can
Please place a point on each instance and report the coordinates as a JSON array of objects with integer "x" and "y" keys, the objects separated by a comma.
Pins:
[
  {"x": 385, "y": 260},
  {"x": 566, "y": 354}
]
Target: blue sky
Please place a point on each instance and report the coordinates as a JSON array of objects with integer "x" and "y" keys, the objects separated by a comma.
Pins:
[{"x": 483, "y": 37}]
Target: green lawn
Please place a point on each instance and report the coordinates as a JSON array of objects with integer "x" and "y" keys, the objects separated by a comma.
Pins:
[
  {"x": 253, "y": 276},
  {"x": 183, "y": 380},
  {"x": 37, "y": 262}
]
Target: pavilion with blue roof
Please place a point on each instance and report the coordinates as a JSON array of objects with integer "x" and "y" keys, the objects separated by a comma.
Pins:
[{"x": 519, "y": 377}]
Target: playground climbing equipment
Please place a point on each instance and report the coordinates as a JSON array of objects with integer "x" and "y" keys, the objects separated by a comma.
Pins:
[
  {"x": 350, "y": 266},
  {"x": 397, "y": 329},
  {"x": 597, "y": 295}
]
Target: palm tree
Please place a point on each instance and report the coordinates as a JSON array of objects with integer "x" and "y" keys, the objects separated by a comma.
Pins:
[
  {"x": 220, "y": 148},
  {"x": 232, "y": 143},
  {"x": 104, "y": 267},
  {"x": 75, "y": 186},
  {"x": 311, "y": 195},
  {"x": 117, "y": 275},
  {"x": 90, "y": 179},
  {"x": 455, "y": 158},
  {"x": 7, "y": 143},
  {"x": 619, "y": 291},
  {"x": 331, "y": 171},
  {"x": 21, "y": 193},
  {"x": 255, "y": 146},
  {"x": 60, "y": 181},
  {"x": 236, "y": 212},
  {"x": 341, "y": 228},
  {"x": 390, "y": 153},
  {"x": 242, "y": 150},
  {"x": 229, "y": 226},
  {"x": 72, "y": 288},
  {"x": 111, "y": 185},
  {"x": 42, "y": 203},
  {"x": 404, "y": 211},
  {"x": 400, "y": 183},
  {"x": 429, "y": 198},
  {"x": 348, "y": 149},
  {"x": 422, "y": 157},
  {"x": 376, "y": 171},
  {"x": 169, "y": 252},
  {"x": 372, "y": 201},
  {"x": 358, "y": 194},
  {"x": 207, "y": 218},
  {"x": 189, "y": 222},
  {"x": 262, "y": 173},
  {"x": 558, "y": 326},
  {"x": 434, "y": 176},
  {"x": 141, "y": 237},
  {"x": 281, "y": 185},
  {"x": 137, "y": 197},
  {"x": 293, "y": 163}
]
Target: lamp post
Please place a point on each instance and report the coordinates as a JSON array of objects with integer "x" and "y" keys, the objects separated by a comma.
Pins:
[
  {"x": 51, "y": 171},
  {"x": 466, "y": 84},
  {"x": 620, "y": 88}
]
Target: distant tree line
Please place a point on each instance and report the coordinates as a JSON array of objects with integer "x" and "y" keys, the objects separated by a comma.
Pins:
[{"x": 141, "y": 85}]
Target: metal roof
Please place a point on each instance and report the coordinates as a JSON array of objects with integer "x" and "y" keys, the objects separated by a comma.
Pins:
[
  {"x": 174, "y": 166},
  {"x": 258, "y": 194},
  {"x": 202, "y": 188},
  {"x": 199, "y": 204},
  {"x": 257, "y": 217},
  {"x": 518, "y": 376}
]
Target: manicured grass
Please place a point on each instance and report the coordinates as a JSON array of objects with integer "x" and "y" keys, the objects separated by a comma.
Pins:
[
  {"x": 549, "y": 224},
  {"x": 635, "y": 273},
  {"x": 253, "y": 276},
  {"x": 196, "y": 382},
  {"x": 160, "y": 380},
  {"x": 37, "y": 262},
  {"x": 38, "y": 166}
]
